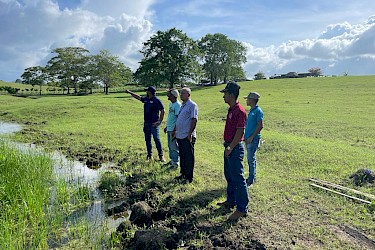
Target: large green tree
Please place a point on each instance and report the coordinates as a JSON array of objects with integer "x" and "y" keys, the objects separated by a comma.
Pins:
[
  {"x": 34, "y": 76},
  {"x": 109, "y": 70},
  {"x": 169, "y": 57},
  {"x": 69, "y": 66},
  {"x": 222, "y": 57}
]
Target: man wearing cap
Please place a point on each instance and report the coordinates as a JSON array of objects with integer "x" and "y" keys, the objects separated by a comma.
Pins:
[
  {"x": 174, "y": 109},
  {"x": 186, "y": 135},
  {"x": 254, "y": 125},
  {"x": 237, "y": 194},
  {"x": 153, "y": 116}
]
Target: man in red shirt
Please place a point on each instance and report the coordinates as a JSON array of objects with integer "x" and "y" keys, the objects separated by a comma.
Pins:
[{"x": 237, "y": 194}]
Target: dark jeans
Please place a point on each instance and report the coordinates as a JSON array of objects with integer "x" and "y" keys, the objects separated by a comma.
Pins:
[
  {"x": 186, "y": 149},
  {"x": 149, "y": 130},
  {"x": 234, "y": 174}
]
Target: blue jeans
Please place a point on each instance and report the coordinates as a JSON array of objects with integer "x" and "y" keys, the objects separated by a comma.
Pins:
[
  {"x": 149, "y": 130},
  {"x": 234, "y": 174},
  {"x": 251, "y": 159},
  {"x": 173, "y": 149}
]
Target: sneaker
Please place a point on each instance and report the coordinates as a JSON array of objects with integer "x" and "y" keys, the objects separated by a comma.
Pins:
[
  {"x": 161, "y": 158},
  {"x": 236, "y": 215},
  {"x": 186, "y": 181},
  {"x": 174, "y": 164},
  {"x": 249, "y": 182},
  {"x": 149, "y": 158},
  {"x": 171, "y": 166},
  {"x": 226, "y": 204}
]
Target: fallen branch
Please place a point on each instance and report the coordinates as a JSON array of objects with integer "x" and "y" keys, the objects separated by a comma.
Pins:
[
  {"x": 342, "y": 194},
  {"x": 326, "y": 183}
]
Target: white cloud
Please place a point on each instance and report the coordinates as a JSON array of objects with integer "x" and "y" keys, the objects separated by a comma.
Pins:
[
  {"x": 336, "y": 49},
  {"x": 36, "y": 27},
  {"x": 286, "y": 37}
]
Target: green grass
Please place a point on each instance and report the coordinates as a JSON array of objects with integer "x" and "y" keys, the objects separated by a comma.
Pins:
[
  {"x": 314, "y": 127},
  {"x": 34, "y": 205},
  {"x": 23, "y": 195}
]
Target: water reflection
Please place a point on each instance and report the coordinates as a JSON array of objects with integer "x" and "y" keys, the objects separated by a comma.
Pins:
[
  {"x": 74, "y": 173},
  {"x": 8, "y": 128}
]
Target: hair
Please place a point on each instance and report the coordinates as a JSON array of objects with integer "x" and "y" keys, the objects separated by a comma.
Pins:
[{"x": 187, "y": 90}]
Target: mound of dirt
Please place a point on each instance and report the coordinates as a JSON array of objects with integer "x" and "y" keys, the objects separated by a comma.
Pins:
[
  {"x": 141, "y": 214},
  {"x": 156, "y": 238}
]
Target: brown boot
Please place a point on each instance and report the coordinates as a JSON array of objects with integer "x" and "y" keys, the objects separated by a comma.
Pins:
[{"x": 236, "y": 215}]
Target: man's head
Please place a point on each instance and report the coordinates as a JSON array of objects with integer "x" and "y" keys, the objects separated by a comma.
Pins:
[
  {"x": 150, "y": 91},
  {"x": 185, "y": 94},
  {"x": 231, "y": 92},
  {"x": 172, "y": 94},
  {"x": 252, "y": 98}
]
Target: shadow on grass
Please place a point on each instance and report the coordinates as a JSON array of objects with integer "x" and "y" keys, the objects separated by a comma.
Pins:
[
  {"x": 219, "y": 232},
  {"x": 195, "y": 217}
]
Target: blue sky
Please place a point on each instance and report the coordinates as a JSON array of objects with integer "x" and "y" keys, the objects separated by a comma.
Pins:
[{"x": 280, "y": 36}]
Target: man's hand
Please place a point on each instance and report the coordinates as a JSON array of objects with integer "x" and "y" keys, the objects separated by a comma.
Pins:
[
  {"x": 227, "y": 151},
  {"x": 190, "y": 137},
  {"x": 155, "y": 124},
  {"x": 249, "y": 140}
]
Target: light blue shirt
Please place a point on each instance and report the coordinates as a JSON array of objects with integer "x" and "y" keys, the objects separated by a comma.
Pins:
[
  {"x": 174, "y": 109},
  {"x": 188, "y": 111},
  {"x": 255, "y": 115}
]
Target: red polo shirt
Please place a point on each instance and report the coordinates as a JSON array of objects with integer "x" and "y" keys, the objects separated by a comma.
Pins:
[{"x": 236, "y": 118}]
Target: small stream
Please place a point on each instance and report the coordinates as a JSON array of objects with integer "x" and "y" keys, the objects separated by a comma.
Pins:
[{"x": 74, "y": 172}]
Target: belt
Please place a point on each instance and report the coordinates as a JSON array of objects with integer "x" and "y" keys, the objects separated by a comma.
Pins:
[{"x": 226, "y": 144}]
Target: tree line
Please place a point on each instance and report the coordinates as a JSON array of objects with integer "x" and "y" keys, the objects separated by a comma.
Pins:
[{"x": 169, "y": 58}]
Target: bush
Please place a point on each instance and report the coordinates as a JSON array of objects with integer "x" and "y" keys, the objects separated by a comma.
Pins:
[{"x": 9, "y": 89}]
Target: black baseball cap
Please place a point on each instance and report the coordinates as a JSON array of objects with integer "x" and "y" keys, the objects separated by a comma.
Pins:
[
  {"x": 152, "y": 89},
  {"x": 232, "y": 88}
]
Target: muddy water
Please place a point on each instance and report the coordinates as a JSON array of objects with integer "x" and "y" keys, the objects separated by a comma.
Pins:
[{"x": 74, "y": 173}]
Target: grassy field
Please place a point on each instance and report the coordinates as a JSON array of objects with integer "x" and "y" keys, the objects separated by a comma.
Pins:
[
  {"x": 34, "y": 205},
  {"x": 314, "y": 128}
]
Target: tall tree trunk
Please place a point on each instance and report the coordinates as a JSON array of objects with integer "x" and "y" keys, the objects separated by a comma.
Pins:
[{"x": 75, "y": 86}]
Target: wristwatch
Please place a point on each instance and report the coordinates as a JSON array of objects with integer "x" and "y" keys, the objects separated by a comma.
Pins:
[{"x": 228, "y": 148}]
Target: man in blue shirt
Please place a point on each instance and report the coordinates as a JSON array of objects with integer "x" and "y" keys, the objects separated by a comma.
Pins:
[
  {"x": 254, "y": 125},
  {"x": 174, "y": 109},
  {"x": 153, "y": 117}
]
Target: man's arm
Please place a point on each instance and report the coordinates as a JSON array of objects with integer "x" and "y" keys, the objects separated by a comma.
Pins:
[
  {"x": 161, "y": 117},
  {"x": 257, "y": 131},
  {"x": 162, "y": 112},
  {"x": 136, "y": 96},
  {"x": 192, "y": 127},
  {"x": 237, "y": 139}
]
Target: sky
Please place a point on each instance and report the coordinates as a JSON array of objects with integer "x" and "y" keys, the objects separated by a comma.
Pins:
[{"x": 337, "y": 36}]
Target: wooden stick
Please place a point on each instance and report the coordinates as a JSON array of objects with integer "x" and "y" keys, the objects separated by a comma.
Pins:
[
  {"x": 370, "y": 196},
  {"x": 336, "y": 192}
]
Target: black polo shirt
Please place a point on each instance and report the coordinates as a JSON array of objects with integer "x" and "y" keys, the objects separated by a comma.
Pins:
[{"x": 152, "y": 109}]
